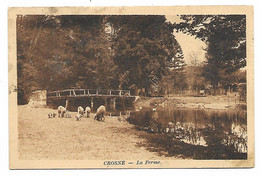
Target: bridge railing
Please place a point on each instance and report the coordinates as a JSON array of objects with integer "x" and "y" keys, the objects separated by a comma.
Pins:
[{"x": 87, "y": 92}]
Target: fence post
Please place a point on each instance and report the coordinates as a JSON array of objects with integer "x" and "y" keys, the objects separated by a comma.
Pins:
[
  {"x": 113, "y": 103},
  {"x": 105, "y": 101}
]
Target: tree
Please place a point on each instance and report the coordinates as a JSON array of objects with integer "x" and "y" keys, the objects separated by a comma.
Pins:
[
  {"x": 195, "y": 74},
  {"x": 57, "y": 52},
  {"x": 27, "y": 73},
  {"x": 225, "y": 36},
  {"x": 94, "y": 51},
  {"x": 178, "y": 65},
  {"x": 41, "y": 42},
  {"x": 174, "y": 80},
  {"x": 144, "y": 49}
]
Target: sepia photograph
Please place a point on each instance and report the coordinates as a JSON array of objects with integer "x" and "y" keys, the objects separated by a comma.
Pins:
[{"x": 127, "y": 88}]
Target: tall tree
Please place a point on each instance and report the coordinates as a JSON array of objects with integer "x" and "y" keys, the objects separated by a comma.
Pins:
[
  {"x": 144, "y": 49},
  {"x": 104, "y": 52},
  {"x": 225, "y": 36},
  {"x": 195, "y": 74},
  {"x": 174, "y": 80}
]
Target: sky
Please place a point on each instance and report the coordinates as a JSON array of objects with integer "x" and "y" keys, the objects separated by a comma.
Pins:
[{"x": 189, "y": 44}]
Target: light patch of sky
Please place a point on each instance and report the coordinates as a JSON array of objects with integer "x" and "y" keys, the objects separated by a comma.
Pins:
[{"x": 189, "y": 44}]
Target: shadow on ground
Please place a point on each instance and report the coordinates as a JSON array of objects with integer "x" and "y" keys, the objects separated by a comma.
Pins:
[{"x": 166, "y": 145}]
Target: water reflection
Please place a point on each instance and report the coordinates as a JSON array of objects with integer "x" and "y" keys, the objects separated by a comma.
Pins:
[{"x": 219, "y": 133}]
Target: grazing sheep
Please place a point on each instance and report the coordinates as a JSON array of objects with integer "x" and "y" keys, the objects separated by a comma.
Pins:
[
  {"x": 80, "y": 110},
  {"x": 87, "y": 111},
  {"x": 78, "y": 116},
  {"x": 100, "y": 113},
  {"x": 68, "y": 115},
  {"x": 61, "y": 111},
  {"x": 51, "y": 114}
]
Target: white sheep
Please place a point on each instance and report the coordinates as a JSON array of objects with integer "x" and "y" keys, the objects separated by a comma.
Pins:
[
  {"x": 100, "y": 113},
  {"x": 80, "y": 110},
  {"x": 61, "y": 111},
  {"x": 78, "y": 116},
  {"x": 68, "y": 115},
  {"x": 51, "y": 114},
  {"x": 87, "y": 111}
]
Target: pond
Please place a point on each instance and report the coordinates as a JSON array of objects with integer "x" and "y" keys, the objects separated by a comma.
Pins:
[{"x": 194, "y": 133}]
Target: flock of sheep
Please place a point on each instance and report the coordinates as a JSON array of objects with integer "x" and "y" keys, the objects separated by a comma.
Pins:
[{"x": 63, "y": 112}]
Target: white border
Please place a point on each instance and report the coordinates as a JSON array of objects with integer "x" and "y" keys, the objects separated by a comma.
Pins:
[{"x": 4, "y": 164}]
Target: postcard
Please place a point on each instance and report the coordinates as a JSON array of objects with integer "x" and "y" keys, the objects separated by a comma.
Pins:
[{"x": 131, "y": 87}]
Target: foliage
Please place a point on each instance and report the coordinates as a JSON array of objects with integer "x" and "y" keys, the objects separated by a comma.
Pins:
[
  {"x": 100, "y": 52},
  {"x": 225, "y": 36},
  {"x": 144, "y": 48}
]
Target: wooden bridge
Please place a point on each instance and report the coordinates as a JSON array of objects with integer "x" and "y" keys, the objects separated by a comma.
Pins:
[
  {"x": 88, "y": 92},
  {"x": 93, "y": 98}
]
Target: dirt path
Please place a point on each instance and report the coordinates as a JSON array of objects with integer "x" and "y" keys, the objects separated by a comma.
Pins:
[{"x": 66, "y": 138}]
